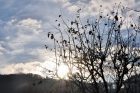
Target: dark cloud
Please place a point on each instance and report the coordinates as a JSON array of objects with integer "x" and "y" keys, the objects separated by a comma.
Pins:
[{"x": 137, "y": 0}]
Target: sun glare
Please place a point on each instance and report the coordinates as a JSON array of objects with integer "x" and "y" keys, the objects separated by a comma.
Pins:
[{"x": 63, "y": 71}]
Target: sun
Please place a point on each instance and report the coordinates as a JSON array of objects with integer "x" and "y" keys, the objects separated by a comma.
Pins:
[{"x": 63, "y": 71}]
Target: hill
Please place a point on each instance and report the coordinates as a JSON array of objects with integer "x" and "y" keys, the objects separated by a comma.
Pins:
[{"x": 30, "y": 83}]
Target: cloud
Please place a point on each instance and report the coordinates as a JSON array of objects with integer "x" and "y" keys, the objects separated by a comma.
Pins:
[
  {"x": 24, "y": 25},
  {"x": 30, "y": 67},
  {"x": 92, "y": 7},
  {"x": 30, "y": 23},
  {"x": 20, "y": 38},
  {"x": 35, "y": 67}
]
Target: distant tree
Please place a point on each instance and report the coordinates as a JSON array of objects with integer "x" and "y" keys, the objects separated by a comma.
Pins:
[
  {"x": 132, "y": 85},
  {"x": 96, "y": 50}
]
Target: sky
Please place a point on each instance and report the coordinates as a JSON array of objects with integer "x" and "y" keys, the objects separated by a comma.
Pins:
[{"x": 24, "y": 25}]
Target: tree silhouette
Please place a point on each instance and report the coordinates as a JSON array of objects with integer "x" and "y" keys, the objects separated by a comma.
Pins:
[{"x": 96, "y": 50}]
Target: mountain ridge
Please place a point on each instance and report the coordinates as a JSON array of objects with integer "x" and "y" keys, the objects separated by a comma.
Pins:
[{"x": 32, "y": 83}]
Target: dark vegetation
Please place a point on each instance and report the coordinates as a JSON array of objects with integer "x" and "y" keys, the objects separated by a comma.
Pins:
[{"x": 30, "y": 83}]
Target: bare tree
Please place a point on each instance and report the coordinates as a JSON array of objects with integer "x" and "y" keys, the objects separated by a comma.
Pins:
[{"x": 96, "y": 49}]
